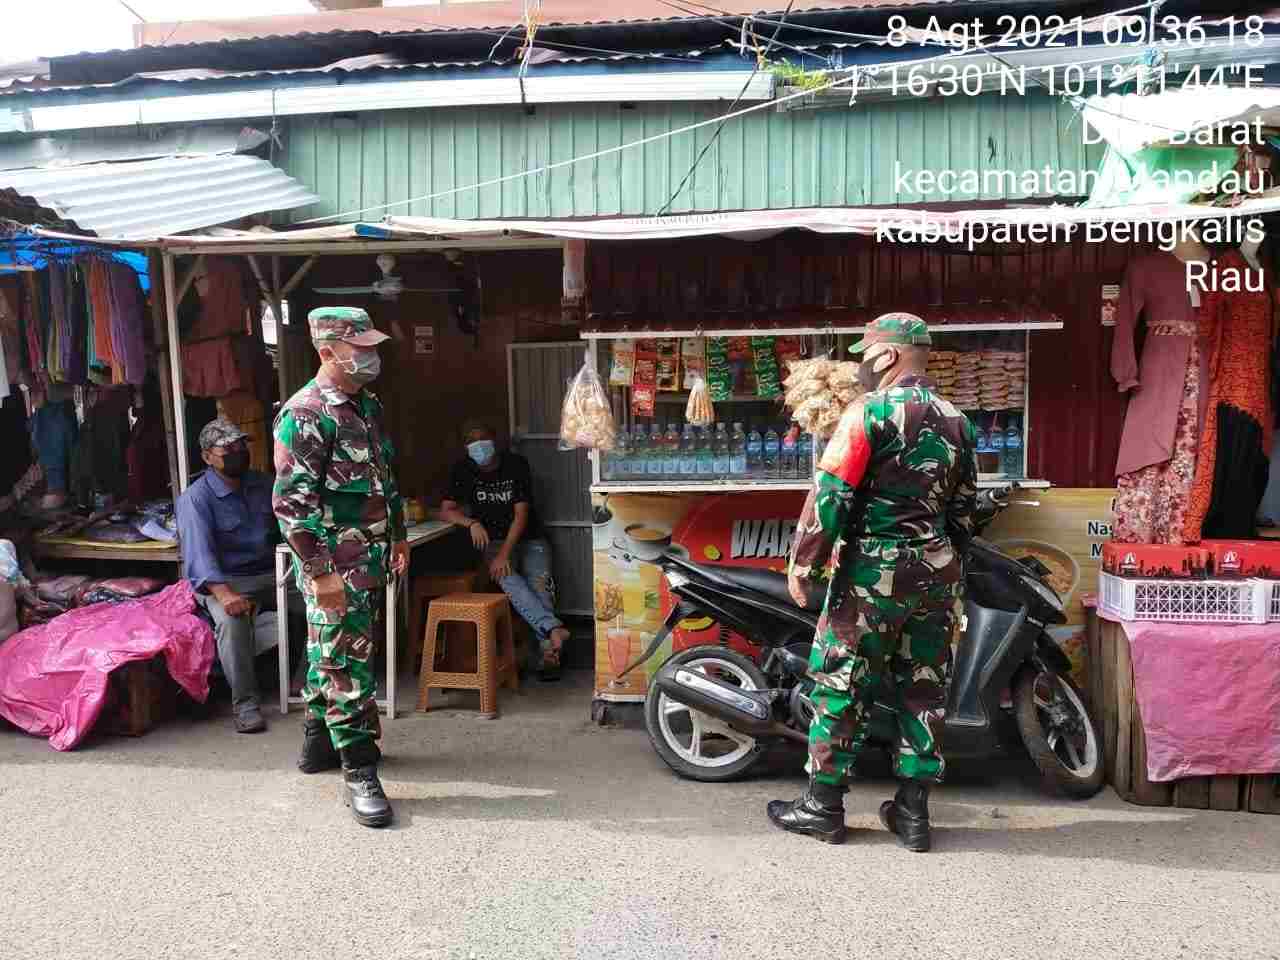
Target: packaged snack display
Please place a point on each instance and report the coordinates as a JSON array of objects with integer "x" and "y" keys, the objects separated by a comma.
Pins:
[
  {"x": 645, "y": 382},
  {"x": 586, "y": 419}
]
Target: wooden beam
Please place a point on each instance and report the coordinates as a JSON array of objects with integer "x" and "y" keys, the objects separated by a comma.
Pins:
[
  {"x": 298, "y": 277},
  {"x": 189, "y": 277},
  {"x": 175, "y": 371},
  {"x": 156, "y": 269}
]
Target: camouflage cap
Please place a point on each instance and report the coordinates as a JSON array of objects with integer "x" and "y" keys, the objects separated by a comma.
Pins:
[
  {"x": 903, "y": 328},
  {"x": 219, "y": 433},
  {"x": 348, "y": 324}
]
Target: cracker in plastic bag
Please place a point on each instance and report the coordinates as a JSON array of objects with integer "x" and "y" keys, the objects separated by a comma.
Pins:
[
  {"x": 586, "y": 419},
  {"x": 699, "y": 411},
  {"x": 844, "y": 374}
]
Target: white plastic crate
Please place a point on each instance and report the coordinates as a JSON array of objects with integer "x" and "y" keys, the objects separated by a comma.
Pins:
[
  {"x": 1188, "y": 601},
  {"x": 1273, "y": 591}
]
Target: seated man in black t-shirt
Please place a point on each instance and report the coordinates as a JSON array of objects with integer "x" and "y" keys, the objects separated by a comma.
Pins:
[{"x": 490, "y": 493}]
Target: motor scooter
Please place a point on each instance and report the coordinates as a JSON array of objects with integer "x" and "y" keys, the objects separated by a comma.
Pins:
[{"x": 711, "y": 712}]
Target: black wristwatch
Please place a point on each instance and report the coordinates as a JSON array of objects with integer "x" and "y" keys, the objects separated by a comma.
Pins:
[{"x": 318, "y": 568}]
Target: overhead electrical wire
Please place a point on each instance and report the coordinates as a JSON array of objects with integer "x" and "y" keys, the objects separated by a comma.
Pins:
[
  {"x": 760, "y": 59},
  {"x": 644, "y": 141}
]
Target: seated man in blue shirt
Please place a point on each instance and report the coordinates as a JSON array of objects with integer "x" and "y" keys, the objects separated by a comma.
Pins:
[{"x": 228, "y": 534}]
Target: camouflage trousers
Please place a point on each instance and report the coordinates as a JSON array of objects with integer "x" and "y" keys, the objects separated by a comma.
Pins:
[
  {"x": 340, "y": 684},
  {"x": 876, "y": 649}
]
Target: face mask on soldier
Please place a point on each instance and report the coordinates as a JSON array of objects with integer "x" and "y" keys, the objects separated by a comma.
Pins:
[
  {"x": 877, "y": 362},
  {"x": 363, "y": 368}
]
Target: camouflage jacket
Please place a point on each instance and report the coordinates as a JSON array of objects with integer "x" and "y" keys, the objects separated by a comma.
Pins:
[
  {"x": 896, "y": 488},
  {"x": 335, "y": 494}
]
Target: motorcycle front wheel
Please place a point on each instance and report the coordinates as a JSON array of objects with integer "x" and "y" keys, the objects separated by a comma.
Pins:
[
  {"x": 1058, "y": 732},
  {"x": 693, "y": 744}
]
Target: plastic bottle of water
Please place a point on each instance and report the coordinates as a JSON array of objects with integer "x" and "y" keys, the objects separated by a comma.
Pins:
[
  {"x": 738, "y": 453},
  {"x": 755, "y": 454},
  {"x": 790, "y": 450},
  {"x": 688, "y": 453},
  {"x": 706, "y": 456},
  {"x": 772, "y": 452},
  {"x": 805, "y": 456},
  {"x": 995, "y": 441},
  {"x": 656, "y": 460},
  {"x": 618, "y": 460},
  {"x": 636, "y": 458},
  {"x": 720, "y": 448},
  {"x": 671, "y": 452},
  {"x": 1013, "y": 449},
  {"x": 982, "y": 438}
]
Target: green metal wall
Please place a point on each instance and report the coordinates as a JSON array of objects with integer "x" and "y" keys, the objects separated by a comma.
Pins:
[{"x": 828, "y": 157}]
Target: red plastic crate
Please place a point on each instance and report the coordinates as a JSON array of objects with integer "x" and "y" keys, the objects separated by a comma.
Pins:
[
  {"x": 1155, "y": 561},
  {"x": 1244, "y": 558}
]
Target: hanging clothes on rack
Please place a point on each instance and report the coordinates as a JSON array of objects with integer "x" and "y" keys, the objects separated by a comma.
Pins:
[
  {"x": 10, "y": 332},
  {"x": 1233, "y": 469},
  {"x": 126, "y": 324},
  {"x": 217, "y": 351}
]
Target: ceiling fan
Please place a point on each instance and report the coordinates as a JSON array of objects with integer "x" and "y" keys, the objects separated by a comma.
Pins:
[{"x": 388, "y": 287}]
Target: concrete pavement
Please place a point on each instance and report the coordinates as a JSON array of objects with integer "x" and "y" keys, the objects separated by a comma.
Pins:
[{"x": 539, "y": 835}]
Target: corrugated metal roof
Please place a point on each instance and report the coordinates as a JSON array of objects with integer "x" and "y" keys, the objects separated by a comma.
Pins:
[
  {"x": 472, "y": 17},
  {"x": 353, "y": 66},
  {"x": 151, "y": 198}
]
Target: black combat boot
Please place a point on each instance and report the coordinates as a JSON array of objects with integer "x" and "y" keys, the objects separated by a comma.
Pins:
[
  {"x": 907, "y": 815},
  {"x": 819, "y": 813},
  {"x": 318, "y": 753},
  {"x": 361, "y": 788}
]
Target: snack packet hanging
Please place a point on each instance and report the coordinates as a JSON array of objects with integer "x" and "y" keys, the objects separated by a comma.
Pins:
[
  {"x": 623, "y": 370},
  {"x": 693, "y": 360},
  {"x": 719, "y": 373},
  {"x": 668, "y": 380},
  {"x": 586, "y": 419},
  {"x": 768, "y": 380}
]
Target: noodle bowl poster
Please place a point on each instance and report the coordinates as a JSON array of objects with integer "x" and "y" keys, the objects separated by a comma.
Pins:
[{"x": 1061, "y": 528}]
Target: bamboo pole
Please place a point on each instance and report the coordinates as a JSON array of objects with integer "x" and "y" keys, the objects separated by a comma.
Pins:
[{"x": 156, "y": 269}]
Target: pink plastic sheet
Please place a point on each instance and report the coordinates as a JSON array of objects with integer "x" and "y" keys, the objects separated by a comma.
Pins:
[
  {"x": 53, "y": 678},
  {"x": 1210, "y": 698}
]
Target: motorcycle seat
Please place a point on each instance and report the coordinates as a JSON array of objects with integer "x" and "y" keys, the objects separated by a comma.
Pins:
[{"x": 772, "y": 585}]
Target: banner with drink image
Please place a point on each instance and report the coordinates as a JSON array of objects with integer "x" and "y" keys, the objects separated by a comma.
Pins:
[
  {"x": 1063, "y": 529},
  {"x": 631, "y": 597}
]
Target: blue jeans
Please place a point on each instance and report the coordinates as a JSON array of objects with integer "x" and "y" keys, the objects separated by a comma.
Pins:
[{"x": 530, "y": 586}]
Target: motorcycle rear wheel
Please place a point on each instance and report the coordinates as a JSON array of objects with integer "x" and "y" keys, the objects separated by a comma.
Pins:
[
  {"x": 1058, "y": 732},
  {"x": 713, "y": 753}
]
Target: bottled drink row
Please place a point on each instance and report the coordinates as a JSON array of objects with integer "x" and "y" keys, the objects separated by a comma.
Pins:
[
  {"x": 999, "y": 445},
  {"x": 671, "y": 452}
]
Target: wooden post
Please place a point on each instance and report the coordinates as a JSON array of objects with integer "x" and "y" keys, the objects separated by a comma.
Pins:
[
  {"x": 156, "y": 269},
  {"x": 175, "y": 370}
]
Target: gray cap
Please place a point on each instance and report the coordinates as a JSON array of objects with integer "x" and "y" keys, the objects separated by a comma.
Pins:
[{"x": 219, "y": 433}]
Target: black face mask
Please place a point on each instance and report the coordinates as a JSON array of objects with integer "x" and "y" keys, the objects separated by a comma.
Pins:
[
  {"x": 867, "y": 377},
  {"x": 235, "y": 464}
]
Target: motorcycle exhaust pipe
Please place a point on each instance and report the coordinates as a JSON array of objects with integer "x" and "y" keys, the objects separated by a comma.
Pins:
[{"x": 747, "y": 711}]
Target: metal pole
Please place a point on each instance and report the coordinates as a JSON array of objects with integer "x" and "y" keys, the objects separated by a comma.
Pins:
[{"x": 175, "y": 368}]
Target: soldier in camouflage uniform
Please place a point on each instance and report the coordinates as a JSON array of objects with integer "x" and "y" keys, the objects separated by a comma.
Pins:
[
  {"x": 340, "y": 510},
  {"x": 888, "y": 518}
]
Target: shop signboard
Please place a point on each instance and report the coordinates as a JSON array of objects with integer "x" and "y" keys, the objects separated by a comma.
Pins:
[{"x": 1063, "y": 529}]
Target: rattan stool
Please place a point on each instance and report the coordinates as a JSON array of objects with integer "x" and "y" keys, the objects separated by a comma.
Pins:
[{"x": 495, "y": 649}]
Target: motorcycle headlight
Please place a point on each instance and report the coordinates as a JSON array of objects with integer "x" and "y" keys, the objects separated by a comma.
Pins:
[{"x": 1044, "y": 593}]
